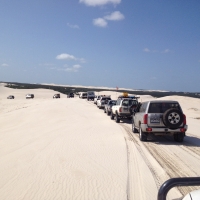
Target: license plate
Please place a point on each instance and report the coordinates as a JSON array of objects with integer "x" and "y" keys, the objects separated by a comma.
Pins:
[{"x": 155, "y": 120}]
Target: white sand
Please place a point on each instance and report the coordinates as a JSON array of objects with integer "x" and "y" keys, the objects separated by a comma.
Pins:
[{"x": 68, "y": 149}]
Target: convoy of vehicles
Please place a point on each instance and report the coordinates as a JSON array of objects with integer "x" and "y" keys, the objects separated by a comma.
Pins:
[{"x": 158, "y": 117}]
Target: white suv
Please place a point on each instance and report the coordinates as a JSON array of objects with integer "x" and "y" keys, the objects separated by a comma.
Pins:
[
  {"x": 161, "y": 117},
  {"x": 102, "y": 101},
  {"x": 29, "y": 96}
]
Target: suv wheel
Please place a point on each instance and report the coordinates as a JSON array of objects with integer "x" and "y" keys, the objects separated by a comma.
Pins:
[
  {"x": 104, "y": 110},
  {"x": 117, "y": 119},
  {"x": 111, "y": 115},
  {"x": 142, "y": 135},
  {"x": 178, "y": 137},
  {"x": 134, "y": 130},
  {"x": 173, "y": 118},
  {"x": 108, "y": 113}
]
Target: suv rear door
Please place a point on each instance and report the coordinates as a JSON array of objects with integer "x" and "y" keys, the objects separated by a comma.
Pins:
[
  {"x": 156, "y": 110},
  {"x": 126, "y": 104}
]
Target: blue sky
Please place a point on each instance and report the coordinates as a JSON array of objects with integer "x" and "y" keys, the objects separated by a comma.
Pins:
[{"x": 149, "y": 44}]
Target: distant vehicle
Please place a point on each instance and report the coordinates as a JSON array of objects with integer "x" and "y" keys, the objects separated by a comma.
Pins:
[
  {"x": 102, "y": 101},
  {"x": 55, "y": 96},
  {"x": 108, "y": 106},
  {"x": 83, "y": 95},
  {"x": 70, "y": 95},
  {"x": 160, "y": 117},
  {"x": 96, "y": 98},
  {"x": 29, "y": 96},
  {"x": 90, "y": 95},
  {"x": 123, "y": 107},
  {"x": 10, "y": 97}
]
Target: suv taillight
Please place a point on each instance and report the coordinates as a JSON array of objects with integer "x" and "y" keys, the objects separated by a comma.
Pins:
[
  {"x": 145, "y": 118},
  {"x": 120, "y": 109},
  {"x": 184, "y": 119}
]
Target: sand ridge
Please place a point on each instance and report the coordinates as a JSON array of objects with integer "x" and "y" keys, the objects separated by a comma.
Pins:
[{"x": 68, "y": 149}]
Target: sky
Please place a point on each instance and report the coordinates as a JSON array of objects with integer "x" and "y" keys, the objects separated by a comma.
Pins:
[{"x": 133, "y": 44}]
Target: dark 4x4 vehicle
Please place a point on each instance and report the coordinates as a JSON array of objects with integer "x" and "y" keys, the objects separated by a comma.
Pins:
[
  {"x": 56, "y": 96},
  {"x": 10, "y": 97},
  {"x": 160, "y": 118},
  {"x": 70, "y": 95}
]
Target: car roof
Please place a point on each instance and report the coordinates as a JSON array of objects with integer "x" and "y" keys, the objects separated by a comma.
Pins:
[{"x": 161, "y": 101}]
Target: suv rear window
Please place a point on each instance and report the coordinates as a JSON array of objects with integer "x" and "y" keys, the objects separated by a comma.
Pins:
[
  {"x": 106, "y": 99},
  {"x": 162, "y": 107}
]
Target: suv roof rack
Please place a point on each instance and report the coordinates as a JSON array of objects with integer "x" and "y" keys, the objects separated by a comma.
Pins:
[{"x": 130, "y": 97}]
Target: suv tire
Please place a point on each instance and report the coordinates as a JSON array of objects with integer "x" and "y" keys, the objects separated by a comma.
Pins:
[
  {"x": 108, "y": 113},
  {"x": 111, "y": 115},
  {"x": 173, "y": 118},
  {"x": 134, "y": 130},
  {"x": 104, "y": 110},
  {"x": 179, "y": 137},
  {"x": 142, "y": 135},
  {"x": 117, "y": 119}
]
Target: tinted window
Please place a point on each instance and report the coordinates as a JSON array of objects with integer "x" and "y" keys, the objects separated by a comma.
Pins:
[
  {"x": 112, "y": 103},
  {"x": 106, "y": 99},
  {"x": 132, "y": 102},
  {"x": 125, "y": 102},
  {"x": 162, "y": 107}
]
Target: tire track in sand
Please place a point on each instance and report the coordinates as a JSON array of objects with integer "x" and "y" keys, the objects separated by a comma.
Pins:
[{"x": 171, "y": 163}]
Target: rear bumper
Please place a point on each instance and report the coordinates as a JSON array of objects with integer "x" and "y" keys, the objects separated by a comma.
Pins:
[
  {"x": 92, "y": 98},
  {"x": 124, "y": 115},
  {"x": 162, "y": 130}
]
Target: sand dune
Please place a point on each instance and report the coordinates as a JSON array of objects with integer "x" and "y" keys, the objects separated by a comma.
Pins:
[{"x": 68, "y": 149}]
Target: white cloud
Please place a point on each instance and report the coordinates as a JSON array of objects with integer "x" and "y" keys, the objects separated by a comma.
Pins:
[
  {"x": 66, "y": 68},
  {"x": 146, "y": 50},
  {"x": 5, "y": 65},
  {"x": 115, "y": 16},
  {"x": 73, "y": 26},
  {"x": 99, "y": 2},
  {"x": 166, "y": 51},
  {"x": 82, "y": 60},
  {"x": 156, "y": 51},
  {"x": 75, "y": 68},
  {"x": 65, "y": 56},
  {"x": 100, "y": 22}
]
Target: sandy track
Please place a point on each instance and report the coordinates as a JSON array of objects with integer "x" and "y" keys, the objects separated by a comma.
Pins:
[
  {"x": 177, "y": 160},
  {"x": 60, "y": 149},
  {"x": 68, "y": 149}
]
